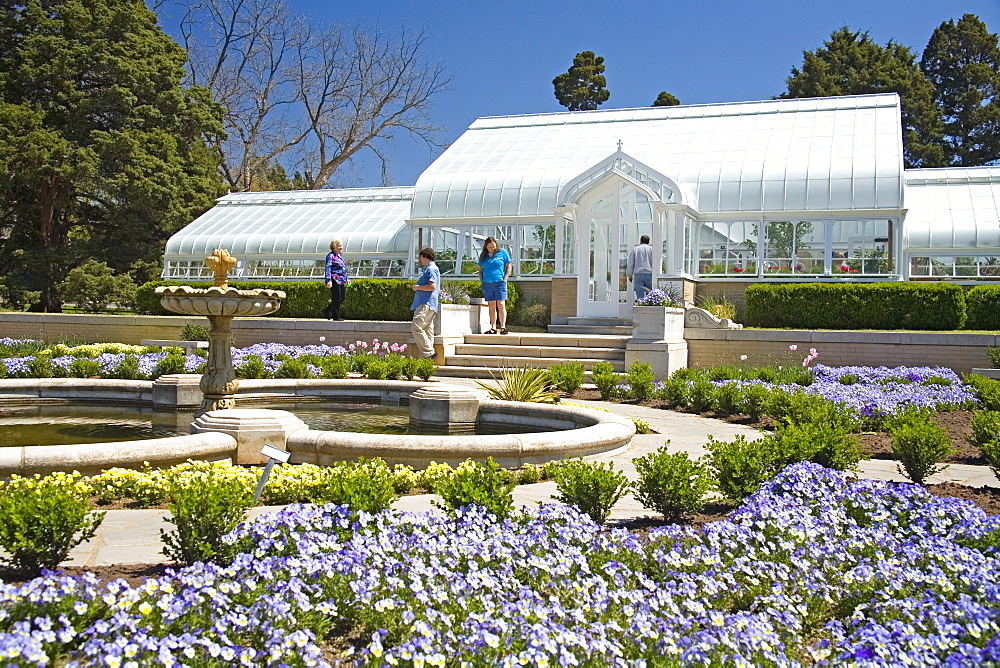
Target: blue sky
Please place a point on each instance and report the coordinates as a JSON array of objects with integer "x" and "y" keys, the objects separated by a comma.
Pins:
[{"x": 502, "y": 56}]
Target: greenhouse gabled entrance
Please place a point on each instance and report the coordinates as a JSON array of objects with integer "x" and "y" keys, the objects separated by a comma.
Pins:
[{"x": 614, "y": 205}]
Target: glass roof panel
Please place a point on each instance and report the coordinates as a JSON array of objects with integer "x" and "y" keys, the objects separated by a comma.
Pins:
[
  {"x": 809, "y": 140},
  {"x": 953, "y": 208},
  {"x": 368, "y": 220}
]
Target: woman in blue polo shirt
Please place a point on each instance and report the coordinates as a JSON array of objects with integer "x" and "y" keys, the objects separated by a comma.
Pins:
[{"x": 494, "y": 270}]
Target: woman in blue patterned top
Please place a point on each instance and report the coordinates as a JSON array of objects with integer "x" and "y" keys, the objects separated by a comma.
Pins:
[
  {"x": 336, "y": 280},
  {"x": 494, "y": 270}
]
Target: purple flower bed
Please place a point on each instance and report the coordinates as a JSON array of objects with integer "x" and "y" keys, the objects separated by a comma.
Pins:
[
  {"x": 272, "y": 355},
  {"x": 812, "y": 569},
  {"x": 883, "y": 390}
]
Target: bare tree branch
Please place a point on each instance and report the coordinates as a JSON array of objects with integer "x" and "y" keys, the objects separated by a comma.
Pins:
[{"x": 308, "y": 96}]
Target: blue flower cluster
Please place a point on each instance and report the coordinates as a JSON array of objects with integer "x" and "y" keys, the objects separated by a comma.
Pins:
[
  {"x": 813, "y": 569},
  {"x": 883, "y": 390}
]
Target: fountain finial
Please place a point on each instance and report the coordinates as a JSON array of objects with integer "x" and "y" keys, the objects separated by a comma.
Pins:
[{"x": 221, "y": 262}]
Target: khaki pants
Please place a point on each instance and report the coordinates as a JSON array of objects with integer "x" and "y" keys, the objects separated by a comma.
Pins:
[{"x": 423, "y": 330}]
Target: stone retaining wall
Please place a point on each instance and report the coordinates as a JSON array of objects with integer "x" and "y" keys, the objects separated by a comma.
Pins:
[
  {"x": 961, "y": 352},
  {"x": 246, "y": 331}
]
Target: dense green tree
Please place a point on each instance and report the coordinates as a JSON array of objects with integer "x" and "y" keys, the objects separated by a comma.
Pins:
[
  {"x": 103, "y": 153},
  {"x": 582, "y": 88},
  {"x": 962, "y": 62},
  {"x": 665, "y": 99},
  {"x": 850, "y": 63}
]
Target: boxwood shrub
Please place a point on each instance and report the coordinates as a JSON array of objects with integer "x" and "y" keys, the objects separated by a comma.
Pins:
[
  {"x": 982, "y": 303},
  {"x": 886, "y": 305},
  {"x": 367, "y": 298}
]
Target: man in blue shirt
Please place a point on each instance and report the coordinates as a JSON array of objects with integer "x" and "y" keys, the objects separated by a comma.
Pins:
[{"x": 425, "y": 304}]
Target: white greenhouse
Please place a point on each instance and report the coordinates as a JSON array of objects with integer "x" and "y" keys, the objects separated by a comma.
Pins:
[{"x": 730, "y": 194}]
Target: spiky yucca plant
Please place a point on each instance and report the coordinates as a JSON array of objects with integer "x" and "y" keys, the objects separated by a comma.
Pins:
[{"x": 521, "y": 384}]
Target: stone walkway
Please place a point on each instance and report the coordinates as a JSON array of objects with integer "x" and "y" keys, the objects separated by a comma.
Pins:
[{"x": 133, "y": 536}]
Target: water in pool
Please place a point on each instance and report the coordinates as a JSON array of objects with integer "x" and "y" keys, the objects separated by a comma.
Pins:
[{"x": 66, "y": 424}]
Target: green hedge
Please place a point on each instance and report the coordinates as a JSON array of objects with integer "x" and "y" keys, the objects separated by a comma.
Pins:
[
  {"x": 888, "y": 305},
  {"x": 367, "y": 298},
  {"x": 982, "y": 303}
]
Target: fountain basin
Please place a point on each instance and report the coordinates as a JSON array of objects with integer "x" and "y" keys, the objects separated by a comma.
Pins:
[
  {"x": 587, "y": 431},
  {"x": 219, "y": 301}
]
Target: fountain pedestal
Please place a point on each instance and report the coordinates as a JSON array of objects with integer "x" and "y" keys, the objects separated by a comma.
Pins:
[
  {"x": 253, "y": 428},
  {"x": 220, "y": 304},
  {"x": 447, "y": 408}
]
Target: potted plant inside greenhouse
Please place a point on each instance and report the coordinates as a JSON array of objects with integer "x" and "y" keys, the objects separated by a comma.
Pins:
[{"x": 657, "y": 316}]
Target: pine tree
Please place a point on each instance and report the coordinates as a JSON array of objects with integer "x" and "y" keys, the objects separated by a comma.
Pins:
[
  {"x": 962, "y": 62},
  {"x": 582, "y": 88},
  {"x": 850, "y": 63},
  {"x": 665, "y": 99}
]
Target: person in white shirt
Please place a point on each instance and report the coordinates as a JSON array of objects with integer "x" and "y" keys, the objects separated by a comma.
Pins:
[{"x": 640, "y": 267}]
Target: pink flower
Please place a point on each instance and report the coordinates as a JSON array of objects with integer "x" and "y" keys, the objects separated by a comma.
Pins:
[
  {"x": 812, "y": 352},
  {"x": 743, "y": 358},
  {"x": 805, "y": 362},
  {"x": 793, "y": 347},
  {"x": 322, "y": 338},
  {"x": 351, "y": 347}
]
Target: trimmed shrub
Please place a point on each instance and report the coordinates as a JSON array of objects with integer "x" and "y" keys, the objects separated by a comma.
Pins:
[
  {"x": 43, "y": 519},
  {"x": 987, "y": 390},
  {"x": 204, "y": 507},
  {"x": 567, "y": 377},
  {"x": 741, "y": 466},
  {"x": 335, "y": 366},
  {"x": 251, "y": 367},
  {"x": 985, "y": 427},
  {"x": 424, "y": 368},
  {"x": 919, "y": 444},
  {"x": 701, "y": 396},
  {"x": 884, "y": 305},
  {"x": 671, "y": 484},
  {"x": 640, "y": 380},
  {"x": 982, "y": 303},
  {"x": 675, "y": 390},
  {"x": 605, "y": 378},
  {"x": 365, "y": 486},
  {"x": 128, "y": 369},
  {"x": 84, "y": 368},
  {"x": 293, "y": 368},
  {"x": 822, "y": 442},
  {"x": 592, "y": 487},
  {"x": 485, "y": 485}
]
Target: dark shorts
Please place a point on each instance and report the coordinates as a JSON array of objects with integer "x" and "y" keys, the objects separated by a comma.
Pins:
[{"x": 495, "y": 291}]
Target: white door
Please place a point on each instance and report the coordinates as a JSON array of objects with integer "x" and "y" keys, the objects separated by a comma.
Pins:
[{"x": 611, "y": 225}]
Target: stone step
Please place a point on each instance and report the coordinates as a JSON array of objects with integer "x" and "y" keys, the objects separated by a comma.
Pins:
[
  {"x": 549, "y": 340},
  {"x": 623, "y": 331},
  {"x": 473, "y": 361},
  {"x": 482, "y": 373},
  {"x": 500, "y": 351},
  {"x": 598, "y": 322}
]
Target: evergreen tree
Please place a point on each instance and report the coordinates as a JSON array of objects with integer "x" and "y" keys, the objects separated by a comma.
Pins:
[
  {"x": 665, "y": 99},
  {"x": 850, "y": 63},
  {"x": 962, "y": 62},
  {"x": 582, "y": 88},
  {"x": 104, "y": 155}
]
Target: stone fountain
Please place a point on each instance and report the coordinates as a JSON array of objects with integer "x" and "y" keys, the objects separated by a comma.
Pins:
[{"x": 220, "y": 304}]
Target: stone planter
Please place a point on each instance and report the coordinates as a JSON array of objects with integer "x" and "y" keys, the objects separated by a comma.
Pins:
[
  {"x": 657, "y": 323},
  {"x": 989, "y": 373},
  {"x": 459, "y": 319}
]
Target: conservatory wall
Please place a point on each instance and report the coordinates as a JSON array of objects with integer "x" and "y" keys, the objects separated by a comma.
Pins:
[
  {"x": 800, "y": 248},
  {"x": 953, "y": 224}
]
